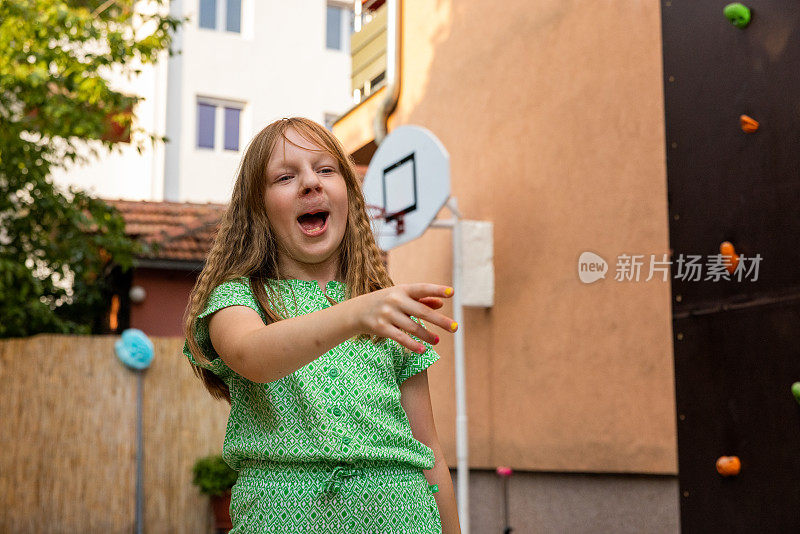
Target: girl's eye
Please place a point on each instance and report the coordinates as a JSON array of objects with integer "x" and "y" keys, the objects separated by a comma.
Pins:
[
  {"x": 327, "y": 169},
  {"x": 282, "y": 177}
]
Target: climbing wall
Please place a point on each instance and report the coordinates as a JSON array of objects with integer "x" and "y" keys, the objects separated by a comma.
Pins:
[{"x": 737, "y": 342}]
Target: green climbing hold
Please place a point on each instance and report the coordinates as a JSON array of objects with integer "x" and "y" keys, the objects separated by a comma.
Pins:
[
  {"x": 738, "y": 14},
  {"x": 796, "y": 391}
]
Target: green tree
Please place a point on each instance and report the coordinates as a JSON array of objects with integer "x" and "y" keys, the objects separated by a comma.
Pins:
[{"x": 58, "y": 248}]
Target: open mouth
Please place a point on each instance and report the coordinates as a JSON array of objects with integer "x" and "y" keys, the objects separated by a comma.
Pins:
[{"x": 313, "y": 224}]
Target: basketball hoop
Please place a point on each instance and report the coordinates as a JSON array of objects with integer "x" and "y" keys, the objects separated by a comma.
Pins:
[{"x": 407, "y": 183}]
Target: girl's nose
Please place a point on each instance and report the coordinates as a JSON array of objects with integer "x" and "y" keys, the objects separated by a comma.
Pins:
[{"x": 309, "y": 180}]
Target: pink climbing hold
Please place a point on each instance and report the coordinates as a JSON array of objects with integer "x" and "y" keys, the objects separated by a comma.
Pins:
[{"x": 505, "y": 472}]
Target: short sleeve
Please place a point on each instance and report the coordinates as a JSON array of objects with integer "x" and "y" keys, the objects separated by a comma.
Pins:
[
  {"x": 412, "y": 362},
  {"x": 230, "y": 293}
]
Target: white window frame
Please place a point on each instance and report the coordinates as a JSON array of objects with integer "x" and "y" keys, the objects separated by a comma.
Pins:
[{"x": 219, "y": 122}]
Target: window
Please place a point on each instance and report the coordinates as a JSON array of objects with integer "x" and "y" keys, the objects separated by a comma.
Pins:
[
  {"x": 212, "y": 111},
  {"x": 208, "y": 14},
  {"x": 205, "y": 125},
  {"x": 219, "y": 14},
  {"x": 377, "y": 79},
  {"x": 333, "y": 33},
  {"x": 339, "y": 24},
  {"x": 232, "y": 128},
  {"x": 233, "y": 16}
]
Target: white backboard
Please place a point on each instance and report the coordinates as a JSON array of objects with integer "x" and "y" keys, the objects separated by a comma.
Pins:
[{"x": 408, "y": 176}]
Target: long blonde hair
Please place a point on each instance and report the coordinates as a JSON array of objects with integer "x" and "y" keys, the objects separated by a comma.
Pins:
[{"x": 245, "y": 245}]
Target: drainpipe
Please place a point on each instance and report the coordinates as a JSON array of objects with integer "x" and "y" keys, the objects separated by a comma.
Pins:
[{"x": 393, "y": 42}]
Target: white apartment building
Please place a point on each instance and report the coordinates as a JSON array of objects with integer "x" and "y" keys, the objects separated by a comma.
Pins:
[{"x": 241, "y": 64}]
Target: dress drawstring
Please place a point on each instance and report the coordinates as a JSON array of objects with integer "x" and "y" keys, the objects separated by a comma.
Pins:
[{"x": 334, "y": 481}]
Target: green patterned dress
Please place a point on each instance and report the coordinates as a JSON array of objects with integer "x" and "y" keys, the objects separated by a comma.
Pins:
[{"x": 327, "y": 448}]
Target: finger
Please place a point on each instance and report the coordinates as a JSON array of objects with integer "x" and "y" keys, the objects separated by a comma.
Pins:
[
  {"x": 406, "y": 324},
  {"x": 420, "y": 311},
  {"x": 406, "y": 340},
  {"x": 418, "y": 291},
  {"x": 432, "y": 302}
]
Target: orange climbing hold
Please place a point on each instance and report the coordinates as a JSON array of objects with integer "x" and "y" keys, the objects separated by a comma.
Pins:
[
  {"x": 727, "y": 250},
  {"x": 728, "y": 465},
  {"x": 749, "y": 124}
]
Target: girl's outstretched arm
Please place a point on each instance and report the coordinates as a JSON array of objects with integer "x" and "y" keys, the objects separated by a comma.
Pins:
[
  {"x": 416, "y": 401},
  {"x": 264, "y": 353}
]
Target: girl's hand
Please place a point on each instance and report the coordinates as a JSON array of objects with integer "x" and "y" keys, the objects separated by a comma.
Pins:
[{"x": 387, "y": 313}]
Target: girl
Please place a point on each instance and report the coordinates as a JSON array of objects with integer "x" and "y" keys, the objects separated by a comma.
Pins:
[{"x": 296, "y": 323}]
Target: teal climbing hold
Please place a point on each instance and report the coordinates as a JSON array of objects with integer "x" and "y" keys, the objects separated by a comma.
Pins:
[
  {"x": 738, "y": 14},
  {"x": 134, "y": 349}
]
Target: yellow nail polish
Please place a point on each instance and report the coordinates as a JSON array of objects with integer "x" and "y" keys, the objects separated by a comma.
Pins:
[
  {"x": 448, "y": 291},
  {"x": 453, "y": 326}
]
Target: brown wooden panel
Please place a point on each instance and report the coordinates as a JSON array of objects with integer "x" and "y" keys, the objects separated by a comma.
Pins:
[
  {"x": 734, "y": 367},
  {"x": 68, "y": 461}
]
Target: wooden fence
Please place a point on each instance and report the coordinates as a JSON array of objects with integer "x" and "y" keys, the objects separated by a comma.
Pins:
[{"x": 68, "y": 440}]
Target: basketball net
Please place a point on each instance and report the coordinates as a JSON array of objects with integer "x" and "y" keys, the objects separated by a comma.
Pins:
[{"x": 378, "y": 212}]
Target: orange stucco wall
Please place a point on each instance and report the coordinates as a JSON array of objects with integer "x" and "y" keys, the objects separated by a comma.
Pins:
[{"x": 552, "y": 112}]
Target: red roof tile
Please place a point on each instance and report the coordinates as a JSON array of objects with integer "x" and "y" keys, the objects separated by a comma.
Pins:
[{"x": 183, "y": 230}]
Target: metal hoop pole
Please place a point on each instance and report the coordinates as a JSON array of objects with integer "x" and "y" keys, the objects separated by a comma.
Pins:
[{"x": 462, "y": 451}]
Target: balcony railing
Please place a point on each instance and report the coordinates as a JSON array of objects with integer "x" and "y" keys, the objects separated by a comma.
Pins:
[{"x": 368, "y": 52}]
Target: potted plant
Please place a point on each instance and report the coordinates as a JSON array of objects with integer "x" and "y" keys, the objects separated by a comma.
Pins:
[{"x": 215, "y": 478}]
